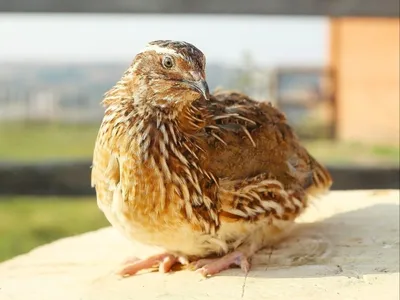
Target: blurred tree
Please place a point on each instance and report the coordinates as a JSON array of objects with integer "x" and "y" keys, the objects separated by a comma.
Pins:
[
  {"x": 245, "y": 76},
  {"x": 251, "y": 79}
]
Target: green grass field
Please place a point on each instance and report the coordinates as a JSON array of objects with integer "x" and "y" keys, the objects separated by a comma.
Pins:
[
  {"x": 26, "y": 222},
  {"x": 33, "y": 142},
  {"x": 38, "y": 142}
]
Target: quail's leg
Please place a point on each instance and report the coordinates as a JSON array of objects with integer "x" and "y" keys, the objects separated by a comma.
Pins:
[
  {"x": 212, "y": 266},
  {"x": 163, "y": 262}
]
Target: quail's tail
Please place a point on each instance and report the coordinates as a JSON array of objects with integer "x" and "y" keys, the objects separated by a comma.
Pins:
[{"x": 321, "y": 178}]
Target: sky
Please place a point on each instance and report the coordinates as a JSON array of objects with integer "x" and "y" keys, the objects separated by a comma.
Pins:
[{"x": 270, "y": 40}]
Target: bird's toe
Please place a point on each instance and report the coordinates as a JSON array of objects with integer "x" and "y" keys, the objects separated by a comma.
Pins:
[
  {"x": 161, "y": 262},
  {"x": 209, "y": 267}
]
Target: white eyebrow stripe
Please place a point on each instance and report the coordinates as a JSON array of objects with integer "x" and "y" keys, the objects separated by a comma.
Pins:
[{"x": 161, "y": 50}]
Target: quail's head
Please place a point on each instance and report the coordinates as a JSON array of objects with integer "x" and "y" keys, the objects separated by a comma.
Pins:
[{"x": 168, "y": 72}]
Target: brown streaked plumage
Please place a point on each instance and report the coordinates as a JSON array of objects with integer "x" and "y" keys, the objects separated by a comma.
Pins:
[{"x": 199, "y": 175}]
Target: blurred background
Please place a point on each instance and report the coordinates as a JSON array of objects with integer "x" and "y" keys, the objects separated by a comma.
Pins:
[{"x": 334, "y": 71}]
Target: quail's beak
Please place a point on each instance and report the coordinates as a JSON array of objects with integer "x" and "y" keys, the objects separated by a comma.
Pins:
[{"x": 201, "y": 86}]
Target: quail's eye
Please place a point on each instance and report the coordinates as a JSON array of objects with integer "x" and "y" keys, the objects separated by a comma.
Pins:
[{"x": 168, "y": 62}]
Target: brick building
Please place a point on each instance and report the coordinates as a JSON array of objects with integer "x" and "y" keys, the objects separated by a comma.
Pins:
[{"x": 365, "y": 57}]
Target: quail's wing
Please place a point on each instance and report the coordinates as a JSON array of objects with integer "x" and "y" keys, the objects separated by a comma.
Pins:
[{"x": 247, "y": 138}]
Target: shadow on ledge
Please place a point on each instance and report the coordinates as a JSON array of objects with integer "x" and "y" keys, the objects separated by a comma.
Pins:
[{"x": 352, "y": 244}]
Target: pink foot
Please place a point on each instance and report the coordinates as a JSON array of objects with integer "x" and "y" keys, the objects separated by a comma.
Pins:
[
  {"x": 163, "y": 262},
  {"x": 212, "y": 266}
]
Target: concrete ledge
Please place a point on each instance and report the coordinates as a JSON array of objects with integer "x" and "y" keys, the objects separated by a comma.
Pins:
[
  {"x": 345, "y": 247},
  {"x": 73, "y": 178}
]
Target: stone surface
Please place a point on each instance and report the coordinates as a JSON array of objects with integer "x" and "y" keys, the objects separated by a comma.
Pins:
[{"x": 345, "y": 247}]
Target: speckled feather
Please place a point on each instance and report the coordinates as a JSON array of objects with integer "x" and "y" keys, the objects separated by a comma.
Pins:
[{"x": 197, "y": 176}]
